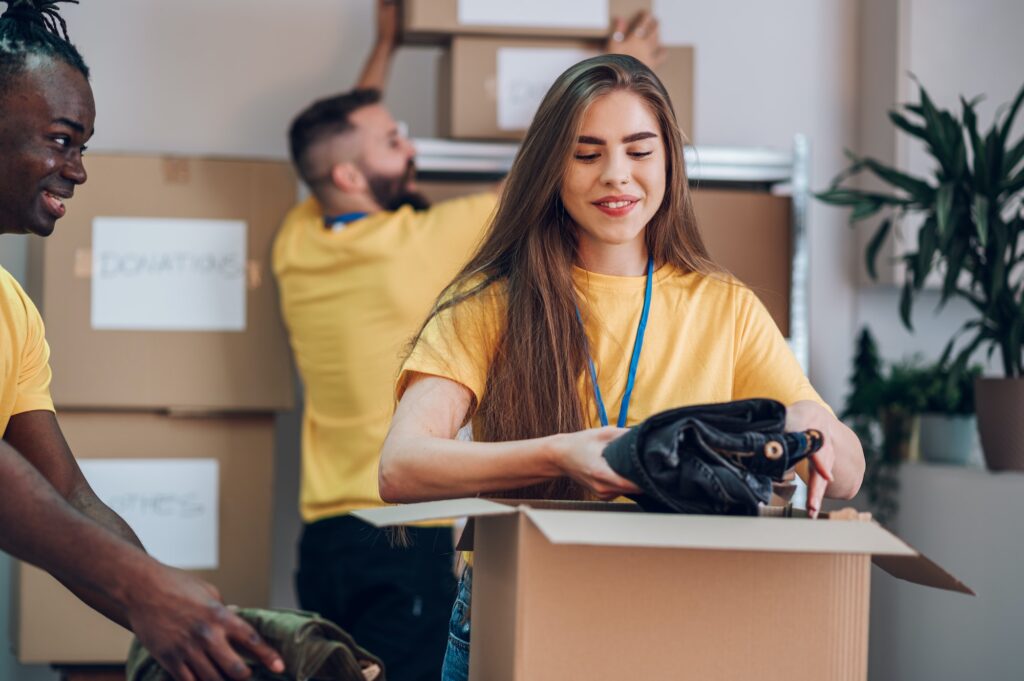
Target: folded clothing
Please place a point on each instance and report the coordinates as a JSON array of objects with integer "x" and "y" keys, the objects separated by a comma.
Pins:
[
  {"x": 718, "y": 459},
  {"x": 313, "y": 649}
]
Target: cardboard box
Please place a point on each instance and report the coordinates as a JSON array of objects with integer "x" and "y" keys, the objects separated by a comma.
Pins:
[
  {"x": 434, "y": 22},
  {"x": 491, "y": 87},
  {"x": 159, "y": 316},
  {"x": 50, "y": 625},
  {"x": 750, "y": 234},
  {"x": 597, "y": 592}
]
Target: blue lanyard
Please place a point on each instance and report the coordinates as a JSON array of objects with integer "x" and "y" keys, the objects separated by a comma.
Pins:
[
  {"x": 332, "y": 221},
  {"x": 634, "y": 360}
]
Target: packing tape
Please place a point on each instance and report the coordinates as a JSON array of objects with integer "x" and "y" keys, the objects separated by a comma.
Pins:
[
  {"x": 176, "y": 170},
  {"x": 82, "y": 267},
  {"x": 254, "y": 273}
]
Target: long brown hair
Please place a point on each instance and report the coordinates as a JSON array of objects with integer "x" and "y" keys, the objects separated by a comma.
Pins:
[{"x": 533, "y": 381}]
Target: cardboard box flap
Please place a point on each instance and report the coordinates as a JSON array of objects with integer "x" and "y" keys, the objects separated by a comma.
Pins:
[
  {"x": 920, "y": 569},
  {"x": 727, "y": 533},
  {"x": 404, "y": 514}
]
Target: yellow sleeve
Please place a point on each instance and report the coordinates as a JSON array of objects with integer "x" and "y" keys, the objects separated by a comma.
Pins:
[
  {"x": 764, "y": 364},
  {"x": 34, "y": 377},
  {"x": 458, "y": 343}
]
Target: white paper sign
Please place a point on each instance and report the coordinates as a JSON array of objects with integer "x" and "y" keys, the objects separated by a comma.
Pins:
[
  {"x": 172, "y": 504},
  {"x": 163, "y": 274},
  {"x": 524, "y": 76},
  {"x": 539, "y": 13}
]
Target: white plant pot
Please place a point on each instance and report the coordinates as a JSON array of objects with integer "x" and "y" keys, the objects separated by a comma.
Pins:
[{"x": 947, "y": 438}]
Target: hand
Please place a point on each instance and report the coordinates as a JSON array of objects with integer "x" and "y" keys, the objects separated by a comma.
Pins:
[
  {"x": 387, "y": 22},
  {"x": 802, "y": 416},
  {"x": 641, "y": 40},
  {"x": 184, "y": 625},
  {"x": 579, "y": 456}
]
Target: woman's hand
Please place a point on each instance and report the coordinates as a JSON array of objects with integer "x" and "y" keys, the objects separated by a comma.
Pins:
[
  {"x": 801, "y": 416},
  {"x": 580, "y": 456},
  {"x": 640, "y": 39},
  {"x": 387, "y": 23}
]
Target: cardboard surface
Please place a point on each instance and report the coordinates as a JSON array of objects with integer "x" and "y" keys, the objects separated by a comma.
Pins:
[
  {"x": 573, "y": 612},
  {"x": 246, "y": 370},
  {"x": 749, "y": 233},
  {"x": 570, "y": 590},
  {"x": 434, "y": 22},
  {"x": 468, "y": 92},
  {"x": 50, "y": 625}
]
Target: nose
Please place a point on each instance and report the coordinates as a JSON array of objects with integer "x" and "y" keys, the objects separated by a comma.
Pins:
[
  {"x": 615, "y": 172},
  {"x": 74, "y": 169}
]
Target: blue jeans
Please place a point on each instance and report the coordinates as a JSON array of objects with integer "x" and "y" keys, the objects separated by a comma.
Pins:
[{"x": 456, "y": 657}]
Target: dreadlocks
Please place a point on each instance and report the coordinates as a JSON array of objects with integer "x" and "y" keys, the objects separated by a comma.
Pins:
[{"x": 34, "y": 27}]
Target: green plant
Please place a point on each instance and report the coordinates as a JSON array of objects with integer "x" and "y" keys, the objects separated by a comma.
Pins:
[
  {"x": 862, "y": 414},
  {"x": 972, "y": 223},
  {"x": 946, "y": 393}
]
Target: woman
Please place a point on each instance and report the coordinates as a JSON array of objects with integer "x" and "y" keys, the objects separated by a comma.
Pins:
[{"x": 592, "y": 280}]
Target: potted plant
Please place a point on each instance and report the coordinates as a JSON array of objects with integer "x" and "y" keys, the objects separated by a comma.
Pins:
[
  {"x": 947, "y": 422},
  {"x": 970, "y": 234},
  {"x": 861, "y": 413}
]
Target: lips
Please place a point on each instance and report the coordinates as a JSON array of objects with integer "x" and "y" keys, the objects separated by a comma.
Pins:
[
  {"x": 54, "y": 203},
  {"x": 616, "y": 205}
]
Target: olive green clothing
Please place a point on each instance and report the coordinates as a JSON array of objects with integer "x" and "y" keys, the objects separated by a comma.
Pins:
[{"x": 313, "y": 649}]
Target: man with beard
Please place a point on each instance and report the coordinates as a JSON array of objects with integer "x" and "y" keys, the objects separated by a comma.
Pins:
[{"x": 359, "y": 265}]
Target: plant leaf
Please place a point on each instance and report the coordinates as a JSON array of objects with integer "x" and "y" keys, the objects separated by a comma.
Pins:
[
  {"x": 1013, "y": 157},
  {"x": 954, "y": 264},
  {"x": 926, "y": 242},
  {"x": 944, "y": 209},
  {"x": 994, "y": 151},
  {"x": 1004, "y": 134},
  {"x": 900, "y": 121},
  {"x": 920, "y": 190},
  {"x": 871, "y": 252},
  {"x": 864, "y": 210},
  {"x": 907, "y": 303},
  {"x": 979, "y": 213}
]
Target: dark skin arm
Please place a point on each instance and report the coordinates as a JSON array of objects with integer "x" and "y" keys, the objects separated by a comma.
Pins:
[{"x": 181, "y": 620}]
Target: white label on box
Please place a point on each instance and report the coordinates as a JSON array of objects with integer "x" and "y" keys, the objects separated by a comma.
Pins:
[
  {"x": 172, "y": 504},
  {"x": 524, "y": 76},
  {"x": 536, "y": 13},
  {"x": 164, "y": 274}
]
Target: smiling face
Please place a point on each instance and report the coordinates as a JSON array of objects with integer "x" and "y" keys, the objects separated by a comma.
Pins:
[
  {"x": 615, "y": 180},
  {"x": 46, "y": 116}
]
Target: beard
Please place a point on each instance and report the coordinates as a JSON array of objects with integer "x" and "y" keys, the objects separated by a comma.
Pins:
[{"x": 393, "y": 192}]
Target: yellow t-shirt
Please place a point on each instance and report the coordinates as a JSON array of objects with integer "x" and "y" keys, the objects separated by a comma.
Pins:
[
  {"x": 352, "y": 300},
  {"x": 24, "y": 354},
  {"x": 709, "y": 339}
]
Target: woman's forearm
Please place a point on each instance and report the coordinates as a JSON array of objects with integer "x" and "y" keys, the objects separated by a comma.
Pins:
[{"x": 418, "y": 468}]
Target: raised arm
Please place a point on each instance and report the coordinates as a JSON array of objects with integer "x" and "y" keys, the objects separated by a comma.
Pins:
[
  {"x": 421, "y": 460},
  {"x": 378, "y": 64}
]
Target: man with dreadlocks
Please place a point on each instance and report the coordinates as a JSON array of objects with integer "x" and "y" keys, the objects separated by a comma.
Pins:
[
  {"x": 46, "y": 117},
  {"x": 359, "y": 265}
]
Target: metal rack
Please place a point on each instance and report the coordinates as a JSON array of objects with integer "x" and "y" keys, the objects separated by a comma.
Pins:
[{"x": 779, "y": 172}]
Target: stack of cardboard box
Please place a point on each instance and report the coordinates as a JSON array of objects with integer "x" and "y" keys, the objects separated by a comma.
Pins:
[
  {"x": 503, "y": 57},
  {"x": 169, "y": 361}
]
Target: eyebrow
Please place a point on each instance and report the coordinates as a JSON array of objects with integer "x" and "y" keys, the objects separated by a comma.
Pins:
[
  {"x": 635, "y": 137},
  {"x": 74, "y": 125}
]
